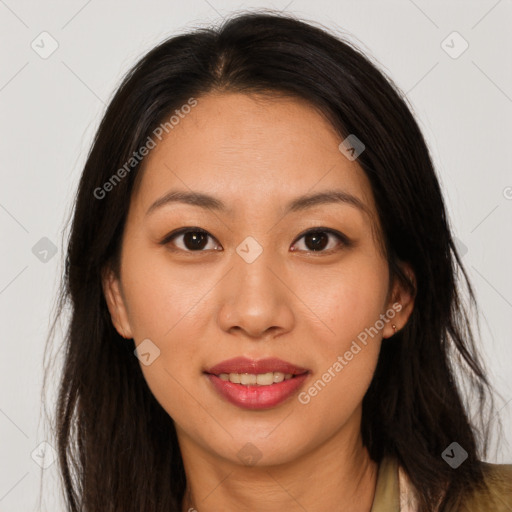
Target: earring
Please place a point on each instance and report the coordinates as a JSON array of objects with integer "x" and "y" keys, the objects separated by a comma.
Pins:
[{"x": 394, "y": 327}]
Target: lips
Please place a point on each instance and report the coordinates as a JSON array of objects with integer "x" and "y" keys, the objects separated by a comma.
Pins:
[
  {"x": 256, "y": 396},
  {"x": 245, "y": 365}
]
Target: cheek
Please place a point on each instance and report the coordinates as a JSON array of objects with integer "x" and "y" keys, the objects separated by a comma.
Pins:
[
  {"x": 162, "y": 299},
  {"x": 165, "y": 305},
  {"x": 349, "y": 305},
  {"x": 348, "y": 300}
]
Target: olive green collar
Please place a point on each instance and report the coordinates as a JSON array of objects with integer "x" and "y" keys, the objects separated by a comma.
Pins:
[
  {"x": 392, "y": 482},
  {"x": 387, "y": 493}
]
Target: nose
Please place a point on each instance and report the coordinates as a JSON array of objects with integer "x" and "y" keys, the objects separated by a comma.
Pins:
[{"x": 257, "y": 301}]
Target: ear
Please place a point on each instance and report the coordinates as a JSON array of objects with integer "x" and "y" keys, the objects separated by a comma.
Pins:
[
  {"x": 116, "y": 303},
  {"x": 401, "y": 302}
]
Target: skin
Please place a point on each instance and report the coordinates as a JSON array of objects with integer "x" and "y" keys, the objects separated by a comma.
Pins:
[{"x": 200, "y": 308}]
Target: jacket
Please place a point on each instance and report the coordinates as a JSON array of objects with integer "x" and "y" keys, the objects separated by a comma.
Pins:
[{"x": 394, "y": 492}]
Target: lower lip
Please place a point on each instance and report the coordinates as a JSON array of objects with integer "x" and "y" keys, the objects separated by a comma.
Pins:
[{"x": 257, "y": 397}]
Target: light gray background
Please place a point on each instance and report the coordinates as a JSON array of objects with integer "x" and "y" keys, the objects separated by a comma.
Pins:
[{"x": 51, "y": 107}]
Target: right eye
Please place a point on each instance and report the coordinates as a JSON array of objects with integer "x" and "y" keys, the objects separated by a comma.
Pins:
[{"x": 194, "y": 239}]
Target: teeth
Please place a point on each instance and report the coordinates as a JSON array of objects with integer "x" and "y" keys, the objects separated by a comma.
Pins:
[
  {"x": 261, "y": 379},
  {"x": 247, "y": 378}
]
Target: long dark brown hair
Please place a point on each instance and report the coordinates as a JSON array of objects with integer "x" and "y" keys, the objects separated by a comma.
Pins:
[{"x": 117, "y": 447}]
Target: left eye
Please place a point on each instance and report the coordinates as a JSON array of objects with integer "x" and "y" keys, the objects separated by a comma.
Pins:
[{"x": 315, "y": 240}]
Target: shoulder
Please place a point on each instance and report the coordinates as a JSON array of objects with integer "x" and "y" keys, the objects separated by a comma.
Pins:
[{"x": 497, "y": 495}]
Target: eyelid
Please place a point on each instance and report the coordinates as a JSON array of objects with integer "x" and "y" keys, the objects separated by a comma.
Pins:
[{"x": 343, "y": 239}]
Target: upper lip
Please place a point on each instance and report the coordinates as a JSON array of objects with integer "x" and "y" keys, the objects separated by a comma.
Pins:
[{"x": 245, "y": 365}]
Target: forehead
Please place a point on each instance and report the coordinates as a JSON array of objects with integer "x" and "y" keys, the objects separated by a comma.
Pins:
[{"x": 250, "y": 148}]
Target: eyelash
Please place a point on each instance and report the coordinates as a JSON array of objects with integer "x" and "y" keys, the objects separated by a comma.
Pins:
[{"x": 345, "y": 242}]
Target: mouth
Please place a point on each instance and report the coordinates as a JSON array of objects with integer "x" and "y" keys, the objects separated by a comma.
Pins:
[{"x": 253, "y": 384}]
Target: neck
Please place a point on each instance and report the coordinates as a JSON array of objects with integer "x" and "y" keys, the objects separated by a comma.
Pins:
[{"x": 338, "y": 475}]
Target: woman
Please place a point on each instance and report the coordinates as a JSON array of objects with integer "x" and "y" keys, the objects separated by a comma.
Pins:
[{"x": 265, "y": 304}]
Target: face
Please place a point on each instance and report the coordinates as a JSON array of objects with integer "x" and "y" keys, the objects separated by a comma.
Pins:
[{"x": 255, "y": 278}]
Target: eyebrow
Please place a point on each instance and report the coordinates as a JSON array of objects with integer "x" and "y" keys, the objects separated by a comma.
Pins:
[{"x": 299, "y": 204}]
